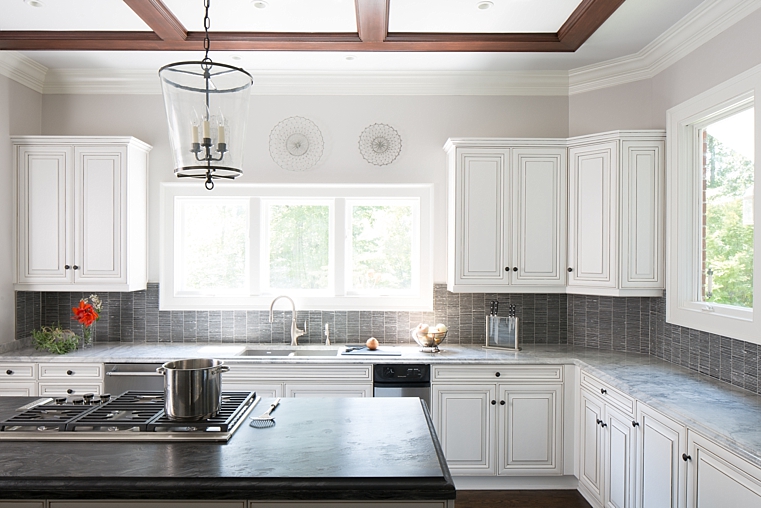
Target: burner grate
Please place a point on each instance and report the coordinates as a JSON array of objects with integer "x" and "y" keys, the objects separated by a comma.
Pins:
[
  {"x": 234, "y": 404},
  {"x": 45, "y": 417}
]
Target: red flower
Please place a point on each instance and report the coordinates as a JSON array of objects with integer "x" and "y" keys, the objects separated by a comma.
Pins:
[{"x": 85, "y": 313}]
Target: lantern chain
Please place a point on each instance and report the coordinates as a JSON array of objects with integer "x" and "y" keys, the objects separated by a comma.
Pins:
[{"x": 206, "y": 26}]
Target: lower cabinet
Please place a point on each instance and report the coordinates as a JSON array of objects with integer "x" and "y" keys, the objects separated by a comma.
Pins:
[
  {"x": 18, "y": 390},
  {"x": 719, "y": 478},
  {"x": 300, "y": 380},
  {"x": 500, "y": 429},
  {"x": 607, "y": 451},
  {"x": 660, "y": 475}
]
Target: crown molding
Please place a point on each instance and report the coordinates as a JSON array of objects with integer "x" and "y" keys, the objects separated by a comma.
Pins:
[
  {"x": 22, "y": 69},
  {"x": 702, "y": 24},
  {"x": 98, "y": 81}
]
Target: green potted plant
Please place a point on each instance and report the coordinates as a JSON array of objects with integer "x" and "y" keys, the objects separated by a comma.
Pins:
[{"x": 55, "y": 340}]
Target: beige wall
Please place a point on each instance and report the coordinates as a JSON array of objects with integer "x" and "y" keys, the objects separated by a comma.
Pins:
[
  {"x": 424, "y": 124},
  {"x": 643, "y": 104},
  {"x": 20, "y": 113}
]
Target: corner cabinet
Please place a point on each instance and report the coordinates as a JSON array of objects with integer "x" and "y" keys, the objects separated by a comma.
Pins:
[
  {"x": 81, "y": 206},
  {"x": 616, "y": 214},
  {"x": 506, "y": 215}
]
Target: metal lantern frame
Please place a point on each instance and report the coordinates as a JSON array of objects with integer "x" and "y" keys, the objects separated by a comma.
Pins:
[{"x": 206, "y": 86}]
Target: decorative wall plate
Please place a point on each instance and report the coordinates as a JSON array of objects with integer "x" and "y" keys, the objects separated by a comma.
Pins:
[
  {"x": 380, "y": 144},
  {"x": 296, "y": 144}
]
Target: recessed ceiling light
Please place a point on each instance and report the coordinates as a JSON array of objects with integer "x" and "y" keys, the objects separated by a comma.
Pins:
[
  {"x": 235, "y": 57},
  {"x": 485, "y": 5},
  {"x": 35, "y": 3},
  {"x": 351, "y": 57},
  {"x": 260, "y": 4}
]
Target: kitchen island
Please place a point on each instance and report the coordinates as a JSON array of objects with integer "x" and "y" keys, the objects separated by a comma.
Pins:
[{"x": 320, "y": 449}]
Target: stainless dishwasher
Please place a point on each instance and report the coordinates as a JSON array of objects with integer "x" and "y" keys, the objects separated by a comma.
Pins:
[
  {"x": 402, "y": 380},
  {"x": 120, "y": 377}
]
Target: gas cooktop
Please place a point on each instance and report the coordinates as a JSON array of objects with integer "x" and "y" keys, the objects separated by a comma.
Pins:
[{"x": 131, "y": 416}]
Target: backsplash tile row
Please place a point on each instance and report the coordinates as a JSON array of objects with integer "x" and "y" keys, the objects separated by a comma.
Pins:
[
  {"x": 613, "y": 323},
  {"x": 135, "y": 317}
]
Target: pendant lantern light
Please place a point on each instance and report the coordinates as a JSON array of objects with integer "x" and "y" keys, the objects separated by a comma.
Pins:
[{"x": 206, "y": 108}]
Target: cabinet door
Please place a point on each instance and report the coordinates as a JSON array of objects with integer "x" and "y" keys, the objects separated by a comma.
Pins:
[
  {"x": 591, "y": 470},
  {"x": 464, "y": 418},
  {"x": 100, "y": 214},
  {"x": 642, "y": 214},
  {"x": 45, "y": 215},
  {"x": 539, "y": 216},
  {"x": 64, "y": 389},
  {"x": 619, "y": 459},
  {"x": 264, "y": 390},
  {"x": 592, "y": 215},
  {"x": 28, "y": 389},
  {"x": 660, "y": 468},
  {"x": 328, "y": 390},
  {"x": 529, "y": 428},
  {"x": 481, "y": 186},
  {"x": 718, "y": 478}
]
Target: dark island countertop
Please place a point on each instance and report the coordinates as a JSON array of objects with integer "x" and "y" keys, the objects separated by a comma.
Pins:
[{"x": 319, "y": 448}]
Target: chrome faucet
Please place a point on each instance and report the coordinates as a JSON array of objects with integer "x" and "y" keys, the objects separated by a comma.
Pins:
[{"x": 295, "y": 332}]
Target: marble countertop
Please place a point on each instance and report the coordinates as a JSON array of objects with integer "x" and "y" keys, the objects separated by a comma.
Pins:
[
  {"x": 711, "y": 407},
  {"x": 326, "y": 448}
]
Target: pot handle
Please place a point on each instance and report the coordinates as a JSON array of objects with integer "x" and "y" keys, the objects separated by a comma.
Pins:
[
  {"x": 161, "y": 370},
  {"x": 223, "y": 368}
]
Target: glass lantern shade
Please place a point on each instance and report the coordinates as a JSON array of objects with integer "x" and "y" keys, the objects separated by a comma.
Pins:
[{"x": 206, "y": 108}]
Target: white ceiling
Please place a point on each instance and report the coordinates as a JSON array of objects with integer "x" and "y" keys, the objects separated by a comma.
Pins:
[{"x": 634, "y": 25}]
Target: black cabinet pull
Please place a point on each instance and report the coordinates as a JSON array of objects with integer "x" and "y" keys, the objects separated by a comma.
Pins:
[
  {"x": 497, "y": 374},
  {"x": 603, "y": 391},
  {"x": 686, "y": 457},
  {"x": 69, "y": 391},
  {"x": 515, "y": 268},
  {"x": 507, "y": 268},
  {"x": 599, "y": 421},
  {"x": 635, "y": 424},
  {"x": 501, "y": 402},
  {"x": 66, "y": 267},
  {"x": 9, "y": 372},
  {"x": 493, "y": 402},
  {"x": 570, "y": 269},
  {"x": 75, "y": 267},
  {"x": 603, "y": 424},
  {"x": 69, "y": 372}
]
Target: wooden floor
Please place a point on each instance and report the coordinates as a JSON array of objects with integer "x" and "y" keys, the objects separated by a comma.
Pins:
[{"x": 520, "y": 499}]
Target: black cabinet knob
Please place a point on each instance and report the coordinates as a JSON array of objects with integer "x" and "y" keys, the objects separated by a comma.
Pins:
[
  {"x": 75, "y": 267},
  {"x": 69, "y": 391},
  {"x": 493, "y": 402},
  {"x": 507, "y": 268},
  {"x": 603, "y": 391},
  {"x": 501, "y": 402},
  {"x": 66, "y": 267},
  {"x": 570, "y": 269},
  {"x": 515, "y": 268},
  {"x": 497, "y": 374},
  {"x": 603, "y": 424},
  {"x": 9, "y": 372},
  {"x": 686, "y": 457},
  {"x": 635, "y": 424},
  {"x": 599, "y": 421},
  {"x": 69, "y": 372}
]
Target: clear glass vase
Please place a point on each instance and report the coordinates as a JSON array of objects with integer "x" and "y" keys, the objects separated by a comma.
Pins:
[{"x": 87, "y": 339}]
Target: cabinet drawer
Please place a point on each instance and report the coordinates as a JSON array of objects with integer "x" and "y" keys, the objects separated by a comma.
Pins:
[
  {"x": 64, "y": 389},
  {"x": 28, "y": 389},
  {"x": 71, "y": 371},
  {"x": 243, "y": 372},
  {"x": 608, "y": 394},
  {"x": 16, "y": 371},
  {"x": 499, "y": 373}
]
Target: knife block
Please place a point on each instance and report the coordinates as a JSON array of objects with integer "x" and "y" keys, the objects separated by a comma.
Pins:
[{"x": 502, "y": 333}]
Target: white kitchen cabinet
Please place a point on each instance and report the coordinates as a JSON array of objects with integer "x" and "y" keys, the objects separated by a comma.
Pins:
[
  {"x": 328, "y": 389},
  {"x": 81, "y": 213},
  {"x": 717, "y": 477},
  {"x": 591, "y": 466},
  {"x": 615, "y": 214},
  {"x": 660, "y": 475},
  {"x": 508, "y": 428},
  {"x": 506, "y": 215},
  {"x": 13, "y": 389},
  {"x": 300, "y": 380},
  {"x": 58, "y": 379}
]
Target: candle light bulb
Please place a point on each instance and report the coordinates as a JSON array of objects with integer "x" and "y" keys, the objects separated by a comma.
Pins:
[
  {"x": 194, "y": 133},
  {"x": 221, "y": 134},
  {"x": 206, "y": 134}
]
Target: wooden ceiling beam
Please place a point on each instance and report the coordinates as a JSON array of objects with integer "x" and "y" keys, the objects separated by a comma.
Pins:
[
  {"x": 585, "y": 20},
  {"x": 161, "y": 20},
  {"x": 372, "y": 19}
]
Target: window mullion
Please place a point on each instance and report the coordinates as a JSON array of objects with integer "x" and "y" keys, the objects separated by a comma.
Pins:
[{"x": 341, "y": 246}]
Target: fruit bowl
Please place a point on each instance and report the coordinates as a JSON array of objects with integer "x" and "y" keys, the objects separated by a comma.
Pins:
[{"x": 429, "y": 341}]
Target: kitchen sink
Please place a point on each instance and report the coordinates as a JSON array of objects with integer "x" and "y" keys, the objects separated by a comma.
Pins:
[{"x": 290, "y": 352}]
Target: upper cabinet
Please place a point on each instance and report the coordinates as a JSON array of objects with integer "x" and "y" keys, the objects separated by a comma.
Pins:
[
  {"x": 507, "y": 216},
  {"x": 615, "y": 214},
  {"x": 81, "y": 207},
  {"x": 582, "y": 215}
]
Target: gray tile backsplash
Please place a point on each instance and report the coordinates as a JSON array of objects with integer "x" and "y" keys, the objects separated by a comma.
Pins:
[{"x": 621, "y": 324}]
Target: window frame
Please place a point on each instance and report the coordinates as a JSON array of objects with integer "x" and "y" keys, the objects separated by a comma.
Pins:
[
  {"x": 684, "y": 305},
  {"x": 261, "y": 194}
]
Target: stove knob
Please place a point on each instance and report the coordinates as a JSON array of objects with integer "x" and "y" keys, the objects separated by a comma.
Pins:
[
  {"x": 88, "y": 397},
  {"x": 105, "y": 397},
  {"x": 60, "y": 400},
  {"x": 388, "y": 372},
  {"x": 78, "y": 402}
]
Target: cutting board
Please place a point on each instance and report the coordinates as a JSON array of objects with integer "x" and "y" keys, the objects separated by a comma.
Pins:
[{"x": 369, "y": 352}]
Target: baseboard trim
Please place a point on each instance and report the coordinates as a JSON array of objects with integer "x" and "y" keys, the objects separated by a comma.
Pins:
[{"x": 567, "y": 482}]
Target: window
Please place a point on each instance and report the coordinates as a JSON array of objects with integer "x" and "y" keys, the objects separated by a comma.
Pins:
[
  {"x": 329, "y": 247},
  {"x": 712, "y": 142}
]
